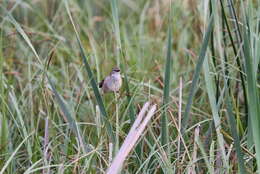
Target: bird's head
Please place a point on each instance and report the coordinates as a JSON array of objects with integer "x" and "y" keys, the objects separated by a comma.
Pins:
[{"x": 115, "y": 70}]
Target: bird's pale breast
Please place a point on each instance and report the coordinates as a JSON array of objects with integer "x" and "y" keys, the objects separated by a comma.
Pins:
[{"x": 112, "y": 83}]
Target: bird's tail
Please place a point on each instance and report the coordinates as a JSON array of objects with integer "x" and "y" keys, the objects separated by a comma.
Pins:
[{"x": 101, "y": 84}]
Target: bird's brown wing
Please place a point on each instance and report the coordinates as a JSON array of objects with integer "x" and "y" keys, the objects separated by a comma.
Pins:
[{"x": 101, "y": 83}]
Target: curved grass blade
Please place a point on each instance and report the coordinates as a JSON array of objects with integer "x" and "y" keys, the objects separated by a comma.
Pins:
[
  {"x": 92, "y": 81},
  {"x": 196, "y": 74}
]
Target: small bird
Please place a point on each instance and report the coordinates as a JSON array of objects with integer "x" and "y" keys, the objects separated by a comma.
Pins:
[{"x": 113, "y": 82}]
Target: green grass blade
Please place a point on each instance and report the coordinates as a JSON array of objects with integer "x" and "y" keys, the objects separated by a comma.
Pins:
[
  {"x": 4, "y": 132},
  {"x": 166, "y": 90},
  {"x": 232, "y": 123},
  {"x": 92, "y": 81},
  {"x": 72, "y": 123},
  {"x": 214, "y": 109},
  {"x": 253, "y": 94},
  {"x": 195, "y": 79},
  {"x": 4, "y": 135},
  {"x": 114, "y": 9}
]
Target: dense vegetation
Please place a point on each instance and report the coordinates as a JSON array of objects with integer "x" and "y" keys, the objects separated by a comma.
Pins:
[{"x": 197, "y": 60}]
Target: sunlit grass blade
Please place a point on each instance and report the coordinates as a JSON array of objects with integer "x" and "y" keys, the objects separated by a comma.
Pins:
[
  {"x": 72, "y": 123},
  {"x": 166, "y": 90},
  {"x": 92, "y": 81},
  {"x": 232, "y": 123},
  {"x": 195, "y": 78},
  {"x": 253, "y": 94}
]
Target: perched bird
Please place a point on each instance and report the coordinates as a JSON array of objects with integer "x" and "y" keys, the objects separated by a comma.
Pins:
[{"x": 113, "y": 82}]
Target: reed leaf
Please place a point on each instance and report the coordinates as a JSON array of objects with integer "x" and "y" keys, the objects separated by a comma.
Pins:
[
  {"x": 195, "y": 78},
  {"x": 166, "y": 90},
  {"x": 214, "y": 108},
  {"x": 253, "y": 94},
  {"x": 114, "y": 9}
]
